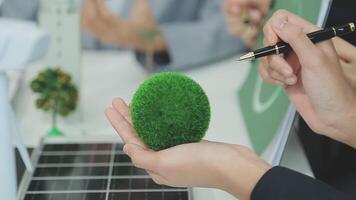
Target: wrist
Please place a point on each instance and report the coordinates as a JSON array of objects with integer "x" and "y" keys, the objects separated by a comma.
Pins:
[
  {"x": 348, "y": 125},
  {"x": 345, "y": 126},
  {"x": 241, "y": 176}
]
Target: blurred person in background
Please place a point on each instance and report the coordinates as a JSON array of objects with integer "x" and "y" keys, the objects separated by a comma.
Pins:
[
  {"x": 192, "y": 32},
  {"x": 189, "y": 32},
  {"x": 244, "y": 17}
]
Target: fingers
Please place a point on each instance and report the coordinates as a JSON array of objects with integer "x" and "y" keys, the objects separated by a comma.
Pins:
[
  {"x": 280, "y": 70},
  {"x": 295, "y": 37},
  {"x": 277, "y": 71},
  {"x": 309, "y": 54},
  {"x": 141, "y": 157},
  {"x": 123, "y": 127},
  {"x": 292, "y": 29},
  {"x": 265, "y": 75},
  {"x": 345, "y": 50},
  {"x": 300, "y": 25},
  {"x": 120, "y": 106},
  {"x": 271, "y": 37}
]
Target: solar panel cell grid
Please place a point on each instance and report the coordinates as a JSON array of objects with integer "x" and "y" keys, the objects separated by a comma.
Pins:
[
  {"x": 93, "y": 172},
  {"x": 64, "y": 185},
  {"x": 127, "y": 170},
  {"x": 77, "y": 147},
  {"x": 71, "y": 171},
  {"x": 122, "y": 158},
  {"x": 119, "y": 184},
  {"x": 67, "y": 196},
  {"x": 155, "y": 196},
  {"x": 55, "y": 159},
  {"x": 119, "y": 196}
]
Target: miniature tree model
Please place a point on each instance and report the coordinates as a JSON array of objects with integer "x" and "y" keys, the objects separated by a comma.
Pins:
[
  {"x": 150, "y": 36},
  {"x": 57, "y": 94},
  {"x": 170, "y": 109}
]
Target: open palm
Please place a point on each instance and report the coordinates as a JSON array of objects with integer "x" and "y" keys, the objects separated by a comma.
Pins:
[{"x": 202, "y": 164}]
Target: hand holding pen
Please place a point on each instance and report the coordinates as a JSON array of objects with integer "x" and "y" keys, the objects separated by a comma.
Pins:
[
  {"x": 315, "y": 37},
  {"x": 312, "y": 77}
]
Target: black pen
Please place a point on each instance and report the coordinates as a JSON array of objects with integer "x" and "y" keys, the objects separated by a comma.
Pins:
[{"x": 315, "y": 37}]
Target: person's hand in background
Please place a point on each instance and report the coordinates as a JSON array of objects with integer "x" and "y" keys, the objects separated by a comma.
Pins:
[
  {"x": 347, "y": 57},
  {"x": 243, "y": 18},
  {"x": 108, "y": 28},
  {"x": 312, "y": 77},
  {"x": 233, "y": 168}
]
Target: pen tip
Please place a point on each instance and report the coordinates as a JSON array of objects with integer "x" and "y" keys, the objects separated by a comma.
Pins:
[{"x": 248, "y": 56}]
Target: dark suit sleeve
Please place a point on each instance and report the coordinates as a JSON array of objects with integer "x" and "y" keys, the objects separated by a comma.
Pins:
[{"x": 283, "y": 184}]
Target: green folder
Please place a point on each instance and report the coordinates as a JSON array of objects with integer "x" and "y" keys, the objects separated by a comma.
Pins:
[{"x": 264, "y": 106}]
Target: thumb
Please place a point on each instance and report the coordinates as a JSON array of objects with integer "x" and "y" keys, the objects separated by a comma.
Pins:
[
  {"x": 296, "y": 38},
  {"x": 141, "y": 157},
  {"x": 344, "y": 49}
]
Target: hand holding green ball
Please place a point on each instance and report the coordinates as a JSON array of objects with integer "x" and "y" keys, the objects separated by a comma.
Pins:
[{"x": 170, "y": 109}]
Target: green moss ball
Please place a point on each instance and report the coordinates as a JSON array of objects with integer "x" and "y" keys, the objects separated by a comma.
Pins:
[{"x": 170, "y": 109}]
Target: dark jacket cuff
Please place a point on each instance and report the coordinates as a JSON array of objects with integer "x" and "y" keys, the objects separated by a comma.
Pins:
[{"x": 280, "y": 183}]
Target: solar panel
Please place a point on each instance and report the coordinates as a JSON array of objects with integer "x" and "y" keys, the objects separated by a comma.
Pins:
[{"x": 91, "y": 171}]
